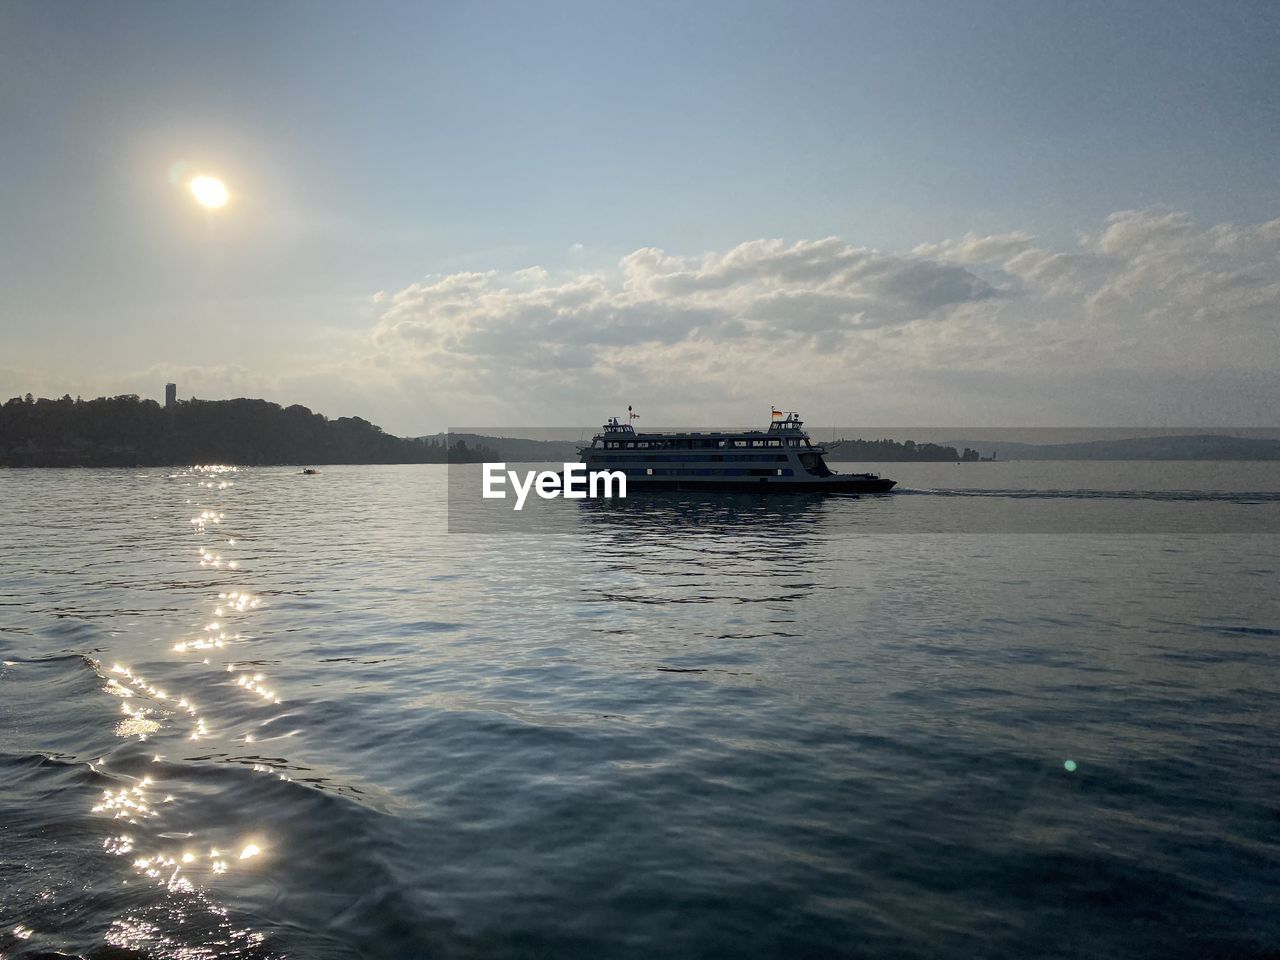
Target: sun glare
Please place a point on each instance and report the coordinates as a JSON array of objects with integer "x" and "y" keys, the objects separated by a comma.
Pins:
[{"x": 209, "y": 192}]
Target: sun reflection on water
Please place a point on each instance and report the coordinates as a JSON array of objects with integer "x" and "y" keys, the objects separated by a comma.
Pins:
[
  {"x": 254, "y": 684},
  {"x": 176, "y": 867},
  {"x": 169, "y": 861}
]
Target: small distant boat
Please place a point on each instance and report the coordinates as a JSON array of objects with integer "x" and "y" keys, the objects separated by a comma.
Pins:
[{"x": 308, "y": 471}]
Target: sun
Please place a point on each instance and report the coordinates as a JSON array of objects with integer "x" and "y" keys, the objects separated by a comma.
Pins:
[{"x": 209, "y": 192}]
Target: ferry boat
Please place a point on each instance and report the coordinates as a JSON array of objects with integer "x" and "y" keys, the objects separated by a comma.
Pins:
[{"x": 780, "y": 459}]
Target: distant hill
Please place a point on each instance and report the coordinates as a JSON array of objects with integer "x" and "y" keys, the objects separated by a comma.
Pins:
[
  {"x": 128, "y": 432},
  {"x": 515, "y": 450},
  {"x": 512, "y": 449},
  {"x": 1196, "y": 447},
  {"x": 1201, "y": 447},
  {"x": 885, "y": 451}
]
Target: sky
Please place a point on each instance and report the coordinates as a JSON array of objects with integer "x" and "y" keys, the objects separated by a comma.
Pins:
[{"x": 977, "y": 213}]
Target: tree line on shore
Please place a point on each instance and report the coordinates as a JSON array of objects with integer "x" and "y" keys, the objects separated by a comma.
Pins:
[
  {"x": 885, "y": 451},
  {"x": 127, "y": 431}
]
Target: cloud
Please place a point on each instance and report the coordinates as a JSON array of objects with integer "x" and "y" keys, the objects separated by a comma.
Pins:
[
  {"x": 763, "y": 290},
  {"x": 1149, "y": 318},
  {"x": 1150, "y": 295}
]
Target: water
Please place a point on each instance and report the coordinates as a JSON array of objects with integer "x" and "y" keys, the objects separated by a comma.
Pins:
[
  {"x": 736, "y": 728},
  {"x": 1005, "y": 497}
]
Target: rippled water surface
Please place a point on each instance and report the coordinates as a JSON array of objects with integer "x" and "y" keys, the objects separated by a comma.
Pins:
[{"x": 257, "y": 714}]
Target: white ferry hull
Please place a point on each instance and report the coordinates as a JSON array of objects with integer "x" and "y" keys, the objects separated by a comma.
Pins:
[{"x": 833, "y": 484}]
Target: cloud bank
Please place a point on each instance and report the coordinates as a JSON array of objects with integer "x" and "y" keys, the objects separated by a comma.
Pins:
[
  {"x": 1150, "y": 319},
  {"x": 1150, "y": 316}
]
